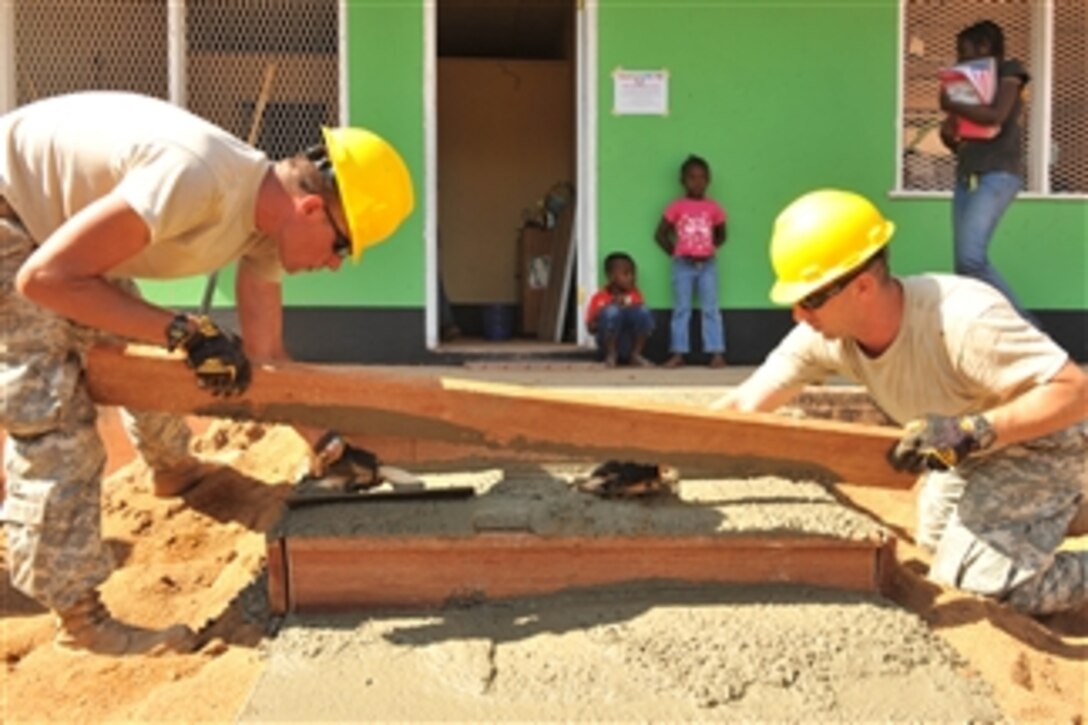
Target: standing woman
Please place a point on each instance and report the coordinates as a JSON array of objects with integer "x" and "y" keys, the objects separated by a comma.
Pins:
[{"x": 988, "y": 171}]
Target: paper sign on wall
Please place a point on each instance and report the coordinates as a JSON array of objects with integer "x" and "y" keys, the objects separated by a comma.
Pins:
[{"x": 640, "y": 92}]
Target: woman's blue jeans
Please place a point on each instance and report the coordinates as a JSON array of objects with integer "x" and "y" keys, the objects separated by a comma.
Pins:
[
  {"x": 703, "y": 278},
  {"x": 975, "y": 214}
]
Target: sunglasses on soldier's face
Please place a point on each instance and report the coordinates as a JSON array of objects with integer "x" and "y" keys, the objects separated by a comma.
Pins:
[
  {"x": 820, "y": 297},
  {"x": 341, "y": 243}
]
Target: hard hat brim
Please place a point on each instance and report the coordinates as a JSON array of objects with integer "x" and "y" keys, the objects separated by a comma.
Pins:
[{"x": 790, "y": 293}]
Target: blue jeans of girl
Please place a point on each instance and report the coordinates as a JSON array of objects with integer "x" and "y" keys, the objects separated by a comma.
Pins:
[{"x": 702, "y": 278}]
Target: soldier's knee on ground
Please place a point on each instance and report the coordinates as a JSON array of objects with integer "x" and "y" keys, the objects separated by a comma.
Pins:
[
  {"x": 937, "y": 500},
  {"x": 1058, "y": 588}
]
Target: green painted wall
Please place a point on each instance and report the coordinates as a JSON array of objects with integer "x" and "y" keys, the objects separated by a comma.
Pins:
[{"x": 783, "y": 97}]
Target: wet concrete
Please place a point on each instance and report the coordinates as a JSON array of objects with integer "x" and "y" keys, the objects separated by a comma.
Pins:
[{"x": 543, "y": 501}]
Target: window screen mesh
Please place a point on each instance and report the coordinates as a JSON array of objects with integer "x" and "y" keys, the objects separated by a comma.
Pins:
[
  {"x": 929, "y": 43},
  {"x": 231, "y": 47},
  {"x": 77, "y": 45},
  {"x": 1069, "y": 115}
]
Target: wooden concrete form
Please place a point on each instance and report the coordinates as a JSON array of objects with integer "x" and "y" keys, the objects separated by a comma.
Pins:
[
  {"x": 509, "y": 418},
  {"x": 324, "y": 573}
]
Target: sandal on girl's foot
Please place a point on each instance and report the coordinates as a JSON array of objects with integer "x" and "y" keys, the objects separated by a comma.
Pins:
[{"x": 717, "y": 361}]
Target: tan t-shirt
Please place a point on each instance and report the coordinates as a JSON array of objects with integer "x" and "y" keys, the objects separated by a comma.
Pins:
[
  {"x": 961, "y": 349},
  {"x": 193, "y": 183}
]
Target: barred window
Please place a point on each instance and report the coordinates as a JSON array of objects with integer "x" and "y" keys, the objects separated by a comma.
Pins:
[
  {"x": 278, "y": 55},
  {"x": 116, "y": 45},
  {"x": 222, "y": 59},
  {"x": 1050, "y": 37}
]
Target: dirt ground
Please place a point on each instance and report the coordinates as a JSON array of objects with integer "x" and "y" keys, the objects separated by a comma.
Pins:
[{"x": 198, "y": 560}]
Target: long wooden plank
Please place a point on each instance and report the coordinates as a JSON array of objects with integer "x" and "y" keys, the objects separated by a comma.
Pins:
[
  {"x": 381, "y": 403},
  {"x": 338, "y": 573}
]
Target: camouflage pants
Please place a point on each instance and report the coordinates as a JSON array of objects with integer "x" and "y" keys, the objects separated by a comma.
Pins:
[
  {"x": 996, "y": 522},
  {"x": 54, "y": 456}
]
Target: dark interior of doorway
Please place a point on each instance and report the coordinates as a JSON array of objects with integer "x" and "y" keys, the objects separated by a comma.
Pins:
[{"x": 506, "y": 139}]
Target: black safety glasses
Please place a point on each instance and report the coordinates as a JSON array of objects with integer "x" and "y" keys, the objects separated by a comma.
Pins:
[
  {"x": 341, "y": 244},
  {"x": 820, "y": 297}
]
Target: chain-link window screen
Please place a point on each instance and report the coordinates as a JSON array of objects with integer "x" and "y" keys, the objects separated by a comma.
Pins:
[
  {"x": 929, "y": 44},
  {"x": 76, "y": 45},
  {"x": 1069, "y": 154},
  {"x": 279, "y": 56}
]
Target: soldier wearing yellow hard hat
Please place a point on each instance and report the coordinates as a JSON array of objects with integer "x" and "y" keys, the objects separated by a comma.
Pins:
[
  {"x": 99, "y": 188},
  {"x": 821, "y": 237},
  {"x": 992, "y": 409},
  {"x": 374, "y": 185}
]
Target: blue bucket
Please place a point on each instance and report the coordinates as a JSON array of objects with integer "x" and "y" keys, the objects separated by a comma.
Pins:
[{"x": 498, "y": 322}]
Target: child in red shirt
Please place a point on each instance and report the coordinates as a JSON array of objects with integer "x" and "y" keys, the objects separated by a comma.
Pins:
[
  {"x": 691, "y": 230},
  {"x": 617, "y": 314}
]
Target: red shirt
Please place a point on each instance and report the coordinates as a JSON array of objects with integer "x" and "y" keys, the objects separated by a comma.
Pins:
[{"x": 605, "y": 297}]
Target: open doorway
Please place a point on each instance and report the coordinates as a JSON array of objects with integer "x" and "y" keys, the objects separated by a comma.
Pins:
[{"x": 506, "y": 162}]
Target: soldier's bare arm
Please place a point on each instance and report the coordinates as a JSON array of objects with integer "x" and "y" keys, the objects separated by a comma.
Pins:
[
  {"x": 67, "y": 272},
  {"x": 1058, "y": 403}
]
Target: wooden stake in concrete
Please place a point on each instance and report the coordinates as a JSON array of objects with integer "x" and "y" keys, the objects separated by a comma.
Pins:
[{"x": 509, "y": 417}]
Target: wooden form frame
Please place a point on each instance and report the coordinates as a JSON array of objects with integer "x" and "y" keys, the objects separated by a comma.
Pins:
[
  {"x": 322, "y": 573},
  {"x": 315, "y": 573}
]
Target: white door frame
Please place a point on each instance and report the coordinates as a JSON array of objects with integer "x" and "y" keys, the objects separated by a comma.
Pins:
[
  {"x": 585, "y": 217},
  {"x": 585, "y": 176}
]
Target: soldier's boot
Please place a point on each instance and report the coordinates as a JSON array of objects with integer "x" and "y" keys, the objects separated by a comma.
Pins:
[
  {"x": 88, "y": 625},
  {"x": 180, "y": 478}
]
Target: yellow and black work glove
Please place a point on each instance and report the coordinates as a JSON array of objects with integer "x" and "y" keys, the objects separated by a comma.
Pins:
[
  {"x": 342, "y": 466},
  {"x": 339, "y": 467},
  {"x": 939, "y": 442},
  {"x": 215, "y": 355}
]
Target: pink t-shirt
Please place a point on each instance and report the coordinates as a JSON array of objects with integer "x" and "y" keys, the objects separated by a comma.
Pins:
[{"x": 694, "y": 221}]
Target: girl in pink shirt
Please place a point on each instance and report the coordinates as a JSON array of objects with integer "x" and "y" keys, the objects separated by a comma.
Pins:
[{"x": 691, "y": 230}]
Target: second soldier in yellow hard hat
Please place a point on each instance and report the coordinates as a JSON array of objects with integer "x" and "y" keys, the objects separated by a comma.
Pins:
[
  {"x": 992, "y": 409},
  {"x": 98, "y": 188}
]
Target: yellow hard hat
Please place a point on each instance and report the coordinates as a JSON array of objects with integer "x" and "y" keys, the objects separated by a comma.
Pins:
[
  {"x": 820, "y": 237},
  {"x": 374, "y": 184}
]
